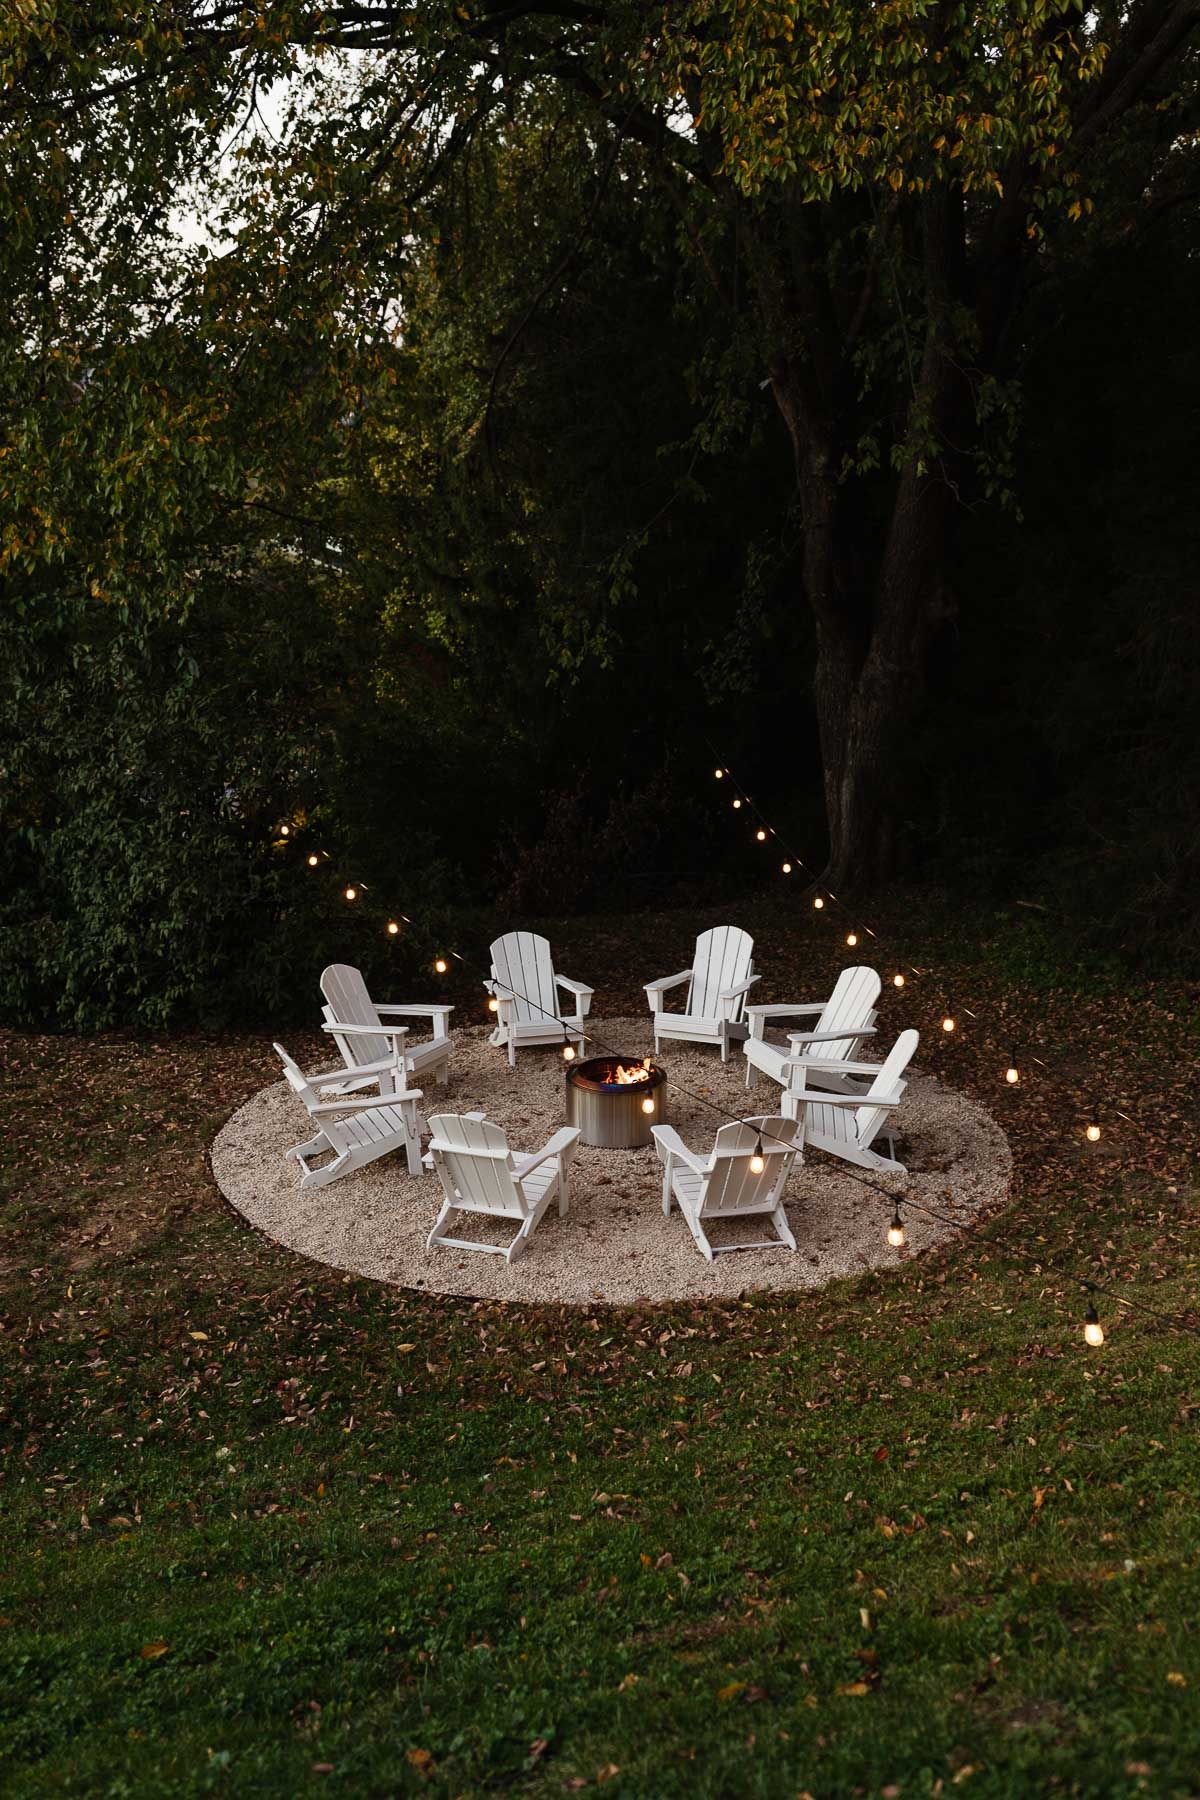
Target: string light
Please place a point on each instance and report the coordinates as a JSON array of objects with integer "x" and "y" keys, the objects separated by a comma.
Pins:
[
  {"x": 719, "y": 773},
  {"x": 787, "y": 868},
  {"x": 351, "y": 893},
  {"x": 895, "y": 1234},
  {"x": 493, "y": 1004},
  {"x": 737, "y": 803},
  {"x": 949, "y": 1022},
  {"x": 852, "y": 938},
  {"x": 1093, "y": 1330},
  {"x": 568, "y": 1053},
  {"x": 761, "y": 836},
  {"x": 897, "y": 980},
  {"x": 1092, "y": 1133},
  {"x": 440, "y": 965},
  {"x": 818, "y": 903},
  {"x": 758, "y": 1161},
  {"x": 1012, "y": 1074},
  {"x": 285, "y": 831},
  {"x": 393, "y": 928},
  {"x": 313, "y": 861},
  {"x": 648, "y": 1105}
]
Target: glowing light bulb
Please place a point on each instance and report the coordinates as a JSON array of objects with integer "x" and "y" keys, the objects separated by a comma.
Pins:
[
  {"x": 285, "y": 831},
  {"x": 568, "y": 1053},
  {"x": 736, "y": 804},
  {"x": 440, "y": 965},
  {"x": 393, "y": 928},
  {"x": 852, "y": 938},
  {"x": 818, "y": 902},
  {"x": 897, "y": 981},
  {"x": 719, "y": 773},
  {"x": 648, "y": 1106},
  {"x": 895, "y": 1234},
  {"x": 351, "y": 893},
  {"x": 313, "y": 861},
  {"x": 758, "y": 1161},
  {"x": 948, "y": 1023},
  {"x": 1093, "y": 1133},
  {"x": 787, "y": 868},
  {"x": 761, "y": 836},
  {"x": 1012, "y": 1075},
  {"x": 1093, "y": 1330},
  {"x": 493, "y": 1004}
]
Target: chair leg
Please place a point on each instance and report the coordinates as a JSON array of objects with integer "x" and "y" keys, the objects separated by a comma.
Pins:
[
  {"x": 521, "y": 1241},
  {"x": 315, "y": 1178},
  {"x": 693, "y": 1224},
  {"x": 780, "y": 1222},
  {"x": 309, "y": 1149},
  {"x": 435, "y": 1234},
  {"x": 512, "y": 1052},
  {"x": 412, "y": 1148}
]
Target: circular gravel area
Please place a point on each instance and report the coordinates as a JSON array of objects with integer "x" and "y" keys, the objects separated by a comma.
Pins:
[{"x": 615, "y": 1244}]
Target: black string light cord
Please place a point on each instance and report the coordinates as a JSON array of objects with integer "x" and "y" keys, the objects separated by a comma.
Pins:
[{"x": 352, "y": 891}]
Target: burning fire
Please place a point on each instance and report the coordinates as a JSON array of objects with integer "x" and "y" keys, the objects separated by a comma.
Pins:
[{"x": 628, "y": 1077}]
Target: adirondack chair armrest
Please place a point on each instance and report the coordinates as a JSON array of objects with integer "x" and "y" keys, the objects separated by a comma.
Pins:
[
  {"x": 657, "y": 989},
  {"x": 781, "y": 1008},
  {"x": 574, "y": 987},
  {"x": 562, "y": 1144},
  {"x": 823, "y": 1097},
  {"x": 387, "y": 1031},
  {"x": 828, "y": 1037},
  {"x": 351, "y": 1103},
  {"x": 439, "y": 1015},
  {"x": 669, "y": 1144},
  {"x": 743, "y": 987},
  {"x": 381, "y": 1065},
  {"x": 858, "y": 1068}
]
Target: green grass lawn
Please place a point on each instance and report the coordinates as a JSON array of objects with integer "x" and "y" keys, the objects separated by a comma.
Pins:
[{"x": 267, "y": 1530}]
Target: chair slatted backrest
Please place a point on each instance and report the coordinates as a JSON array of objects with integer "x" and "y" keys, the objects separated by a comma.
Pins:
[
  {"x": 521, "y": 963},
  {"x": 724, "y": 959},
  {"x": 887, "y": 1085},
  {"x": 301, "y": 1085},
  {"x": 732, "y": 1185},
  {"x": 850, "y": 1007},
  {"x": 351, "y": 1004},
  {"x": 473, "y": 1163}
]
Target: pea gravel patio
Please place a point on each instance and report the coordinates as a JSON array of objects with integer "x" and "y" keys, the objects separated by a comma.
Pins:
[{"x": 614, "y": 1245}]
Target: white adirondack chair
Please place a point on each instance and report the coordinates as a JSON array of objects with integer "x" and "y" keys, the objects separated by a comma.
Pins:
[
  {"x": 717, "y": 984},
  {"x": 525, "y": 988},
  {"x": 480, "y": 1174},
  {"x": 843, "y": 1021},
  {"x": 356, "y": 1131},
  {"x": 723, "y": 1185},
  {"x": 378, "y": 1052},
  {"x": 848, "y": 1125}
]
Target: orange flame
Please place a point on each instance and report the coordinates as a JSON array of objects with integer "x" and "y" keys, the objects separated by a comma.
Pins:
[{"x": 628, "y": 1077}]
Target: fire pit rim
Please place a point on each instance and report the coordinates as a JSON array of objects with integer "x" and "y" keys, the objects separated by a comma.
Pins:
[{"x": 577, "y": 1076}]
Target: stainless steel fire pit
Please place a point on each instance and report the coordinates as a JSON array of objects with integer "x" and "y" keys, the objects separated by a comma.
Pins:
[{"x": 616, "y": 1100}]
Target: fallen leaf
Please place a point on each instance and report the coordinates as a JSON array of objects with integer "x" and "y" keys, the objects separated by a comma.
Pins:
[
  {"x": 854, "y": 1688},
  {"x": 157, "y": 1648},
  {"x": 420, "y": 1759},
  {"x": 730, "y": 1690}
]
